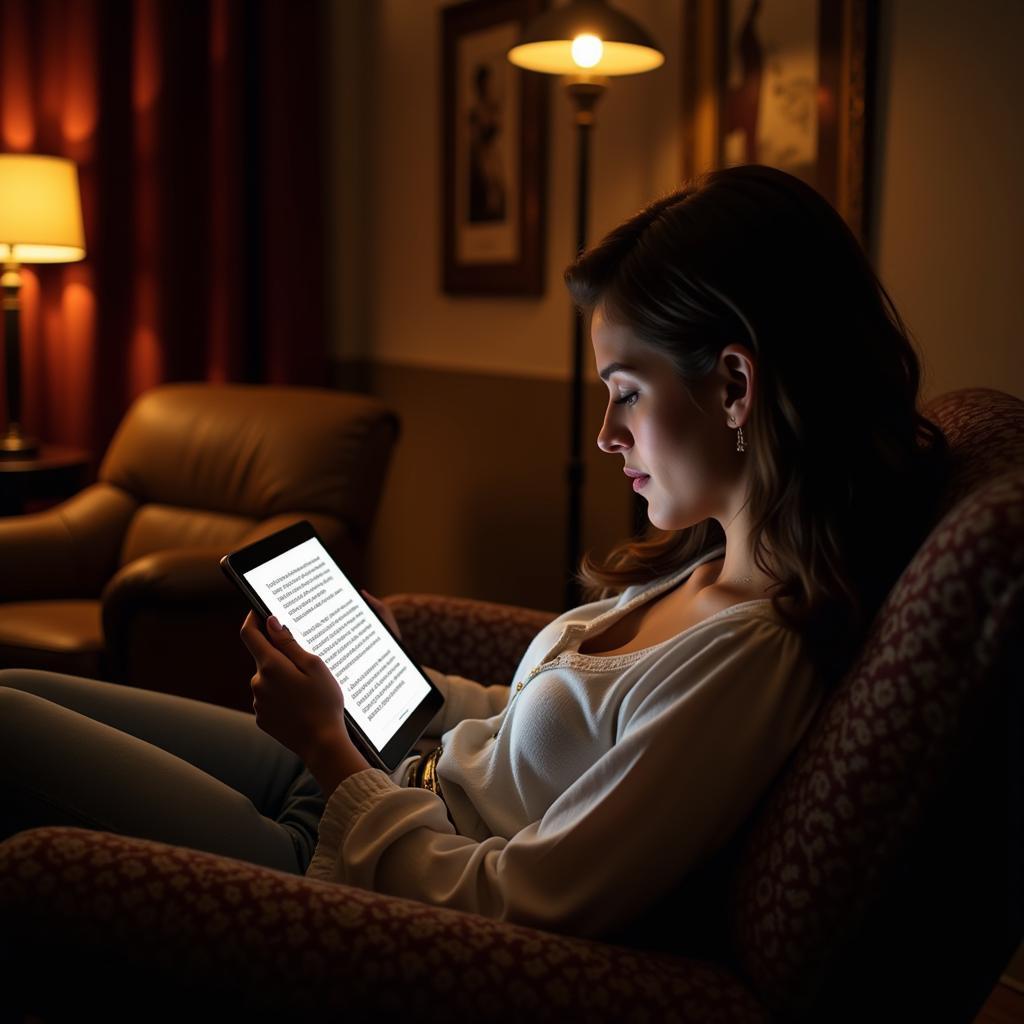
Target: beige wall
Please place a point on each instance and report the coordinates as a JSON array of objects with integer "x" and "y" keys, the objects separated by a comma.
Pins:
[
  {"x": 949, "y": 238},
  {"x": 475, "y": 503},
  {"x": 635, "y": 155},
  {"x": 478, "y": 479}
]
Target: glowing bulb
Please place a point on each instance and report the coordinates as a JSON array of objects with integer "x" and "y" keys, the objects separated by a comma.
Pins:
[{"x": 587, "y": 50}]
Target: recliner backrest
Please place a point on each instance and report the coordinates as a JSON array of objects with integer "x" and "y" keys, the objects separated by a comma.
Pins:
[
  {"x": 867, "y": 867},
  {"x": 206, "y": 462}
]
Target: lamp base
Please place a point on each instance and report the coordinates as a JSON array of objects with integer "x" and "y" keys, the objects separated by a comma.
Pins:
[{"x": 15, "y": 445}]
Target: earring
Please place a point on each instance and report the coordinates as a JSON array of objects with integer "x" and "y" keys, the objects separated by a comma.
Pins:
[{"x": 741, "y": 444}]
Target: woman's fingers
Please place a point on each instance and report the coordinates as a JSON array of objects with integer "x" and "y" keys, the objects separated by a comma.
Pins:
[
  {"x": 276, "y": 646},
  {"x": 282, "y": 639},
  {"x": 253, "y": 638}
]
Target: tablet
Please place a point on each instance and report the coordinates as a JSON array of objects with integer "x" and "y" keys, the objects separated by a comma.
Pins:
[{"x": 389, "y": 699}]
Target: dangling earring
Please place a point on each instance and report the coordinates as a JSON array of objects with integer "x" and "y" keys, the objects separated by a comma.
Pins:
[{"x": 741, "y": 444}]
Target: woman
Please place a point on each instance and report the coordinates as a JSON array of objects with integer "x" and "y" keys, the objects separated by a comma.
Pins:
[{"x": 762, "y": 396}]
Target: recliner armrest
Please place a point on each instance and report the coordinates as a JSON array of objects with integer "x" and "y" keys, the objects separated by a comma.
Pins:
[
  {"x": 171, "y": 618},
  {"x": 480, "y": 640},
  {"x": 128, "y": 918},
  {"x": 192, "y": 577},
  {"x": 170, "y": 577},
  {"x": 68, "y": 551}
]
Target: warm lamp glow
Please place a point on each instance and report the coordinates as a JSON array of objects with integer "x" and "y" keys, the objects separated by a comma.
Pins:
[
  {"x": 585, "y": 35},
  {"x": 555, "y": 57},
  {"x": 40, "y": 210},
  {"x": 587, "y": 50}
]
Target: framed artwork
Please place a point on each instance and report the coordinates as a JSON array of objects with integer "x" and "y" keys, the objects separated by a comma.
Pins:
[
  {"x": 785, "y": 83},
  {"x": 494, "y": 118}
]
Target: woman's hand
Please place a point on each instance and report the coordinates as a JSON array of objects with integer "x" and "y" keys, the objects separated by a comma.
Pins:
[{"x": 299, "y": 703}]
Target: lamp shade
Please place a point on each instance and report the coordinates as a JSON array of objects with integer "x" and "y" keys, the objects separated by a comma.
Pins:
[
  {"x": 40, "y": 210},
  {"x": 547, "y": 42}
]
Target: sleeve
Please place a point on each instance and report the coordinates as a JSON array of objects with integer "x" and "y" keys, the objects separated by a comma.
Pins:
[
  {"x": 691, "y": 757},
  {"x": 463, "y": 698}
]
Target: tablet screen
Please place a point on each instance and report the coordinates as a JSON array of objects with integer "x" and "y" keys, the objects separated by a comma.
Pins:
[{"x": 310, "y": 595}]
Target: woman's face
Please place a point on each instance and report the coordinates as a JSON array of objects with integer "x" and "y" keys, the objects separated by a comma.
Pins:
[{"x": 684, "y": 454}]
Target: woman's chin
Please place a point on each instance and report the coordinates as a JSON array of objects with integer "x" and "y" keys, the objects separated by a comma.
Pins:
[{"x": 661, "y": 520}]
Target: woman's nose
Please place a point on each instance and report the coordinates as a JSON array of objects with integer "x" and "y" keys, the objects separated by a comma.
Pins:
[{"x": 612, "y": 437}]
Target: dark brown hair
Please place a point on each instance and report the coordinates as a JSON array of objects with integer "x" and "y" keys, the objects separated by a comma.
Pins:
[{"x": 845, "y": 471}]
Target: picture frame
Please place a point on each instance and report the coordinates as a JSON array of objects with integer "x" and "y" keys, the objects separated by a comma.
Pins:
[
  {"x": 494, "y": 118},
  {"x": 785, "y": 83}
]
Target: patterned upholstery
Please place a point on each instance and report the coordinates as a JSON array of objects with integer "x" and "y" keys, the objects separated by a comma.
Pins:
[
  {"x": 985, "y": 429},
  {"x": 873, "y": 763},
  {"x": 823, "y": 861},
  {"x": 476, "y": 639},
  {"x": 130, "y": 924}
]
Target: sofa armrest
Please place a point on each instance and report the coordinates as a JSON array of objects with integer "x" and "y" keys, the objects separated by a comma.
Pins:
[
  {"x": 480, "y": 640},
  {"x": 69, "y": 550},
  {"x": 94, "y": 921}
]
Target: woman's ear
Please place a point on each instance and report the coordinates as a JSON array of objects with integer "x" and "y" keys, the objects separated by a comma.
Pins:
[{"x": 737, "y": 368}]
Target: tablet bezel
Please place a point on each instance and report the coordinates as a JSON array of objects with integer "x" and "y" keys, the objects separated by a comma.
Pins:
[{"x": 237, "y": 563}]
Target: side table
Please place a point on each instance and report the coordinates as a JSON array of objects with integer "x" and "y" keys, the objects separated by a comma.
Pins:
[{"x": 53, "y": 474}]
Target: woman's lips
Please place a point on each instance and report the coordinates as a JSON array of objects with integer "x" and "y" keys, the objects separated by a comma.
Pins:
[{"x": 638, "y": 478}]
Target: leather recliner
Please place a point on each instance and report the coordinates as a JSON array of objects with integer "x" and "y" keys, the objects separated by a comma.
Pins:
[{"x": 122, "y": 581}]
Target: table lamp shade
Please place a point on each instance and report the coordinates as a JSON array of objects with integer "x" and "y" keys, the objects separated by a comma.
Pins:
[
  {"x": 40, "y": 210},
  {"x": 546, "y": 44}
]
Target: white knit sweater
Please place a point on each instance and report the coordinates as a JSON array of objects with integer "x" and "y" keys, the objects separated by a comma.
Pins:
[{"x": 589, "y": 794}]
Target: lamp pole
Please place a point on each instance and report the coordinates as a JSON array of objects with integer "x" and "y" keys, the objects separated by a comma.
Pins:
[
  {"x": 584, "y": 91},
  {"x": 13, "y": 444},
  {"x": 40, "y": 222},
  {"x": 584, "y": 41}
]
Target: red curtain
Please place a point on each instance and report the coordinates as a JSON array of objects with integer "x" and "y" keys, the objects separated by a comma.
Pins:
[{"x": 198, "y": 133}]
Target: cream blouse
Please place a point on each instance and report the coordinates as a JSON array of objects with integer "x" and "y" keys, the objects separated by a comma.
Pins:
[{"x": 591, "y": 787}]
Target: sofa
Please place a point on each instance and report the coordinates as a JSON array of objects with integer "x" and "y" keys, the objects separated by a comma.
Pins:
[{"x": 879, "y": 878}]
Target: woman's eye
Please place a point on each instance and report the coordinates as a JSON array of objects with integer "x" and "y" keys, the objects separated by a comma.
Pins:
[{"x": 629, "y": 399}]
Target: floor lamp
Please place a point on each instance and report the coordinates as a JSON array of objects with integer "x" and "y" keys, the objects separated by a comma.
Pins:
[
  {"x": 586, "y": 42},
  {"x": 40, "y": 222}
]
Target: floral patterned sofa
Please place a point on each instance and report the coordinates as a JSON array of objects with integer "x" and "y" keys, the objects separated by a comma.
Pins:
[{"x": 880, "y": 878}]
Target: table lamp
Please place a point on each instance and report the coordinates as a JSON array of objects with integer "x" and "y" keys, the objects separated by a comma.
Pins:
[
  {"x": 587, "y": 42},
  {"x": 40, "y": 222}
]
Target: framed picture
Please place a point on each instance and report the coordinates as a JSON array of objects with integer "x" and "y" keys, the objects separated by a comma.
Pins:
[
  {"x": 785, "y": 83},
  {"x": 494, "y": 118}
]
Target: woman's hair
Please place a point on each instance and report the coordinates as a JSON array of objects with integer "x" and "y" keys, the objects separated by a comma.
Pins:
[{"x": 845, "y": 473}]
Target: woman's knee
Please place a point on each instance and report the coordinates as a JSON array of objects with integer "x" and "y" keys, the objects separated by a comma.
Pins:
[
  {"x": 48, "y": 685},
  {"x": 18, "y": 678},
  {"x": 24, "y": 729},
  {"x": 12, "y": 698}
]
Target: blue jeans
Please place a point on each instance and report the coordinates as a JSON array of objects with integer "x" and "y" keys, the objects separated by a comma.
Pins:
[{"x": 99, "y": 755}]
